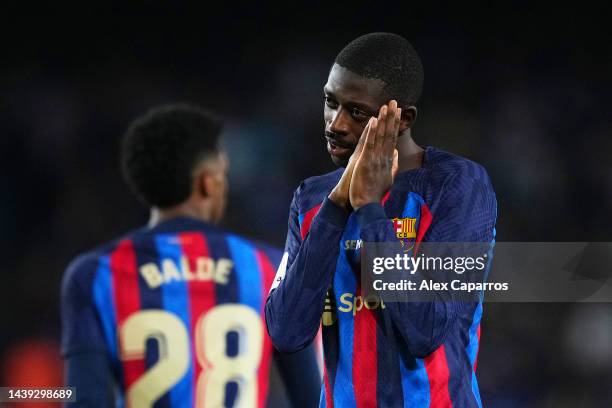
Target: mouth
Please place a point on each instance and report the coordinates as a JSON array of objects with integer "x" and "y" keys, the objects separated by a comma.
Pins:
[{"x": 338, "y": 148}]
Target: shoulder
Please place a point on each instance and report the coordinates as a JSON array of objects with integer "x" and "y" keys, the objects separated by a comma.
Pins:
[
  {"x": 446, "y": 166},
  {"x": 254, "y": 244},
  {"x": 240, "y": 245},
  {"x": 451, "y": 175},
  {"x": 269, "y": 250},
  {"x": 313, "y": 190},
  {"x": 79, "y": 276},
  {"x": 271, "y": 253},
  {"x": 82, "y": 269},
  {"x": 456, "y": 183}
]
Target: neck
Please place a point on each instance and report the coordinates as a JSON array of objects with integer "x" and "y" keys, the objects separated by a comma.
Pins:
[
  {"x": 159, "y": 215},
  {"x": 410, "y": 154}
]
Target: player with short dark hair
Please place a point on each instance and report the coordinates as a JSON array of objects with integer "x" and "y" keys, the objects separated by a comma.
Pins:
[
  {"x": 411, "y": 354},
  {"x": 161, "y": 149},
  {"x": 171, "y": 314}
]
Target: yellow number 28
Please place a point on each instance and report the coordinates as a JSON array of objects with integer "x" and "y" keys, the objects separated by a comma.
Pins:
[{"x": 210, "y": 342}]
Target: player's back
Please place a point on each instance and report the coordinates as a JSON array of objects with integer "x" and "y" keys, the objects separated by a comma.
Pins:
[{"x": 180, "y": 310}]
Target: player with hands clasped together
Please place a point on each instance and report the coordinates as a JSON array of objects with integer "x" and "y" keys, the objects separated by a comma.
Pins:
[{"x": 387, "y": 188}]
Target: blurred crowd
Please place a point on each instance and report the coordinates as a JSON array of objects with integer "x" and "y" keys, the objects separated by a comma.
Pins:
[{"x": 524, "y": 92}]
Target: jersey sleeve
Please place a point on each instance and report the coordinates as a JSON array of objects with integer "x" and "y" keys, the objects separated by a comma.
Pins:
[
  {"x": 294, "y": 238},
  {"x": 295, "y": 303},
  {"x": 301, "y": 376},
  {"x": 466, "y": 213},
  {"x": 90, "y": 373},
  {"x": 81, "y": 328}
]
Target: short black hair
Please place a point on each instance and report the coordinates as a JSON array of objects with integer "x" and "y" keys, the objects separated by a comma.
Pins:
[
  {"x": 389, "y": 58},
  {"x": 161, "y": 149}
]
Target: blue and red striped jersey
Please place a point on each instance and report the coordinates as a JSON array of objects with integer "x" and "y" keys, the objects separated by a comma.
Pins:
[
  {"x": 414, "y": 354},
  {"x": 178, "y": 309}
]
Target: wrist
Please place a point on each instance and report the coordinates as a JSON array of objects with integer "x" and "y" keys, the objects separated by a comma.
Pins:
[
  {"x": 361, "y": 202},
  {"x": 370, "y": 213},
  {"x": 333, "y": 214},
  {"x": 339, "y": 200}
]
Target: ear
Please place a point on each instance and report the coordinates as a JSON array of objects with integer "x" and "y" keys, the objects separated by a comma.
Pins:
[
  {"x": 202, "y": 183},
  {"x": 409, "y": 115}
]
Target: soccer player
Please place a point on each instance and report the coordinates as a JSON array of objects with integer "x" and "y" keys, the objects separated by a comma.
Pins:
[
  {"x": 171, "y": 314},
  {"x": 411, "y": 354}
]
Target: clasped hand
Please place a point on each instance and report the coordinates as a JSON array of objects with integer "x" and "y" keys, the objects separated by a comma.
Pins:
[{"x": 372, "y": 166}]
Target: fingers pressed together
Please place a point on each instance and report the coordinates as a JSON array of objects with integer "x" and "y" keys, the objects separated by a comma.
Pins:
[{"x": 381, "y": 133}]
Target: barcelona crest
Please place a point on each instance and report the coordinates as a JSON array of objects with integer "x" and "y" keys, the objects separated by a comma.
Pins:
[{"x": 405, "y": 230}]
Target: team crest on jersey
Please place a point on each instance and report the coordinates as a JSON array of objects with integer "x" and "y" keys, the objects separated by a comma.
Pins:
[
  {"x": 405, "y": 230},
  {"x": 405, "y": 227}
]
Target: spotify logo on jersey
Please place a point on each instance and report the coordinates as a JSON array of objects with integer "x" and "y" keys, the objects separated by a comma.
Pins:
[{"x": 349, "y": 303}]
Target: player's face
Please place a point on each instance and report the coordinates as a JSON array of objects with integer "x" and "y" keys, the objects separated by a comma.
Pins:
[{"x": 350, "y": 101}]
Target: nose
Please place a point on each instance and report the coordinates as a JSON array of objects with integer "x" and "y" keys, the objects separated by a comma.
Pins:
[{"x": 340, "y": 122}]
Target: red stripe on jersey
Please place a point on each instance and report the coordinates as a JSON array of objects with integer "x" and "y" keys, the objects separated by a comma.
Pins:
[
  {"x": 365, "y": 356},
  {"x": 308, "y": 217},
  {"x": 318, "y": 347},
  {"x": 201, "y": 294},
  {"x": 424, "y": 224},
  {"x": 329, "y": 400},
  {"x": 386, "y": 197},
  {"x": 126, "y": 294},
  {"x": 478, "y": 349},
  {"x": 267, "y": 277},
  {"x": 438, "y": 374}
]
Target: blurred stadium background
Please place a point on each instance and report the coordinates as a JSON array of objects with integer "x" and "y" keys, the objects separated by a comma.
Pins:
[{"x": 523, "y": 89}]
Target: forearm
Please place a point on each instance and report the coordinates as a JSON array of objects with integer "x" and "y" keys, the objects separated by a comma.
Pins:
[{"x": 294, "y": 308}]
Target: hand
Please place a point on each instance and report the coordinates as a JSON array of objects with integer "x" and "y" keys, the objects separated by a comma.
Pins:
[
  {"x": 340, "y": 194},
  {"x": 376, "y": 166}
]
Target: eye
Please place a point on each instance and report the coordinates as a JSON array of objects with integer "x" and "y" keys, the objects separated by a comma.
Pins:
[
  {"x": 359, "y": 115},
  {"x": 330, "y": 102}
]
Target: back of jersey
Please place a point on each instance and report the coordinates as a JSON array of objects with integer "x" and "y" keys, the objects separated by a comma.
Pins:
[{"x": 182, "y": 313}]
